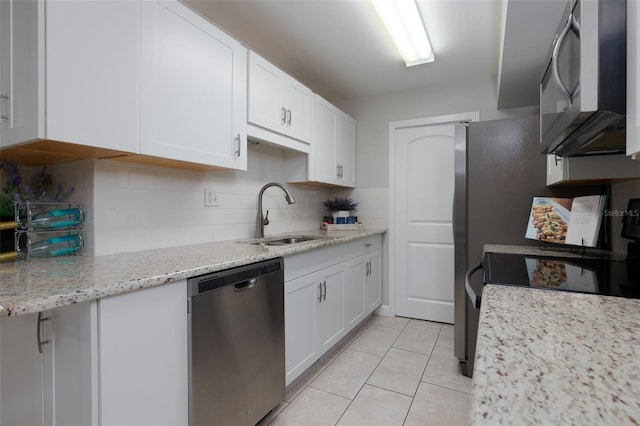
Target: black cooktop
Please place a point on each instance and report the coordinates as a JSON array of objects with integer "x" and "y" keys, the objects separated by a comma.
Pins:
[{"x": 584, "y": 275}]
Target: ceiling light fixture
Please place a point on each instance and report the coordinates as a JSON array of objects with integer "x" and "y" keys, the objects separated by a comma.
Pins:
[{"x": 402, "y": 19}]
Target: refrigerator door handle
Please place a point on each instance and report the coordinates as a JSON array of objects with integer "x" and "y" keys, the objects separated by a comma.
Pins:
[{"x": 475, "y": 299}]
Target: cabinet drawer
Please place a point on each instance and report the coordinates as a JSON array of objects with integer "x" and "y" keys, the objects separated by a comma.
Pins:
[{"x": 301, "y": 264}]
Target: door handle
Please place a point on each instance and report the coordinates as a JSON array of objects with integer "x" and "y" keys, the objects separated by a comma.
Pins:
[
  {"x": 571, "y": 25},
  {"x": 288, "y": 117},
  {"x": 283, "y": 115},
  {"x": 245, "y": 285},
  {"x": 320, "y": 291},
  {"x": 473, "y": 297},
  {"x": 324, "y": 286}
]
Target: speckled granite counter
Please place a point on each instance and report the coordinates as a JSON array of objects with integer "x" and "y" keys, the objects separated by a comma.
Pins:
[
  {"x": 47, "y": 283},
  {"x": 556, "y": 358}
]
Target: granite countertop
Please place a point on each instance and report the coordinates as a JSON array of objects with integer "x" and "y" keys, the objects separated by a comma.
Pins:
[
  {"x": 552, "y": 357},
  {"x": 41, "y": 284}
]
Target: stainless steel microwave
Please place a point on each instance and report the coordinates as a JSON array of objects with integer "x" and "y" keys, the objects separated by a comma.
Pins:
[{"x": 583, "y": 85}]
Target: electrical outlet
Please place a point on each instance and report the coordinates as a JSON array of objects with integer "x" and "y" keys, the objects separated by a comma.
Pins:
[{"x": 211, "y": 199}]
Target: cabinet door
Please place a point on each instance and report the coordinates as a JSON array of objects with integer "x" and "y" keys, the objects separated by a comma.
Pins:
[
  {"x": 193, "y": 98},
  {"x": 21, "y": 372},
  {"x": 354, "y": 289},
  {"x": 143, "y": 357},
  {"x": 92, "y": 73},
  {"x": 373, "y": 282},
  {"x": 21, "y": 71},
  {"x": 346, "y": 148},
  {"x": 324, "y": 142},
  {"x": 299, "y": 110},
  {"x": 331, "y": 307},
  {"x": 555, "y": 169},
  {"x": 74, "y": 389},
  {"x": 633, "y": 85},
  {"x": 266, "y": 94},
  {"x": 300, "y": 300}
]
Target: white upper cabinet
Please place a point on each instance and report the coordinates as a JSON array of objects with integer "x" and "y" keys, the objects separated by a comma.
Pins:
[
  {"x": 590, "y": 169},
  {"x": 193, "y": 88},
  {"x": 87, "y": 92},
  {"x": 333, "y": 160},
  {"x": 633, "y": 86},
  {"x": 144, "y": 81},
  {"x": 280, "y": 108}
]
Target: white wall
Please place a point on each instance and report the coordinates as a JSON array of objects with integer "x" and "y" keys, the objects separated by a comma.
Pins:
[{"x": 374, "y": 113}]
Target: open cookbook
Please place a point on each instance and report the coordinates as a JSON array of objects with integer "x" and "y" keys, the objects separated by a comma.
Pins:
[{"x": 573, "y": 221}]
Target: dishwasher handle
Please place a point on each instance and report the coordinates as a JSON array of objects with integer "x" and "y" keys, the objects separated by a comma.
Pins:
[
  {"x": 475, "y": 299},
  {"x": 245, "y": 285}
]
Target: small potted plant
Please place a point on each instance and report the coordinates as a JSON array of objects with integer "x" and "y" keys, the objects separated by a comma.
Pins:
[{"x": 340, "y": 208}]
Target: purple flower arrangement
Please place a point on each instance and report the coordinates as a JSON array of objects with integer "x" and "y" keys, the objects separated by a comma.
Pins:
[{"x": 37, "y": 189}]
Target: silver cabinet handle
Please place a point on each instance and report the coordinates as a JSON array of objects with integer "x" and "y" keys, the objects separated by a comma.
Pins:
[
  {"x": 283, "y": 115},
  {"x": 6, "y": 98},
  {"x": 557, "y": 159},
  {"x": 288, "y": 117},
  {"x": 41, "y": 342},
  {"x": 324, "y": 291},
  {"x": 571, "y": 25},
  {"x": 341, "y": 171},
  {"x": 368, "y": 244},
  {"x": 337, "y": 171},
  {"x": 238, "y": 145},
  {"x": 320, "y": 291}
]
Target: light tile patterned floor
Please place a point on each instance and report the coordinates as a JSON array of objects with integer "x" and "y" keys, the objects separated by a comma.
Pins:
[{"x": 395, "y": 371}]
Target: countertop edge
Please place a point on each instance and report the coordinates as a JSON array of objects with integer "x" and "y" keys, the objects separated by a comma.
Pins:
[{"x": 112, "y": 287}]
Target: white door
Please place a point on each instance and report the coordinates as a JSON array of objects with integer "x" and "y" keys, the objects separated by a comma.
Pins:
[{"x": 424, "y": 255}]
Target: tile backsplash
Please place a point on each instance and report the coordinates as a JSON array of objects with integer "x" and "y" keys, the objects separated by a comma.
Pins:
[{"x": 135, "y": 207}]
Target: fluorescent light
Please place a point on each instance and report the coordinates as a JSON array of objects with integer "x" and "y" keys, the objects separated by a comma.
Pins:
[{"x": 402, "y": 19}]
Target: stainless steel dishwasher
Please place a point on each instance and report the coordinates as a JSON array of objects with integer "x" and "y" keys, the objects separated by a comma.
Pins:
[{"x": 236, "y": 344}]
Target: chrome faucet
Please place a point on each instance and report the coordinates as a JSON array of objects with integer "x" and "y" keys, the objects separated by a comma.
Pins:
[{"x": 261, "y": 220}]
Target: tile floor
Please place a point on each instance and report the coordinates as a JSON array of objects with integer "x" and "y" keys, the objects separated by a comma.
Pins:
[{"x": 394, "y": 371}]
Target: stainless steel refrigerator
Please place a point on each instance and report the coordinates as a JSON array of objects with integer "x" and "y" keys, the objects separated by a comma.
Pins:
[{"x": 499, "y": 169}]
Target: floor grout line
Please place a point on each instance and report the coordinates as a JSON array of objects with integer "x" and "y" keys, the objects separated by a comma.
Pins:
[{"x": 347, "y": 346}]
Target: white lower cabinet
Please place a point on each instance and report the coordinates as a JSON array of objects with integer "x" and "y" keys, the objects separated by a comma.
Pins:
[
  {"x": 144, "y": 357},
  {"x": 48, "y": 370},
  {"x": 328, "y": 292},
  {"x": 121, "y": 360}
]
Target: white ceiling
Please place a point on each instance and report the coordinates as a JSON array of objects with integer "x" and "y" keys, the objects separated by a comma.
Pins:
[{"x": 340, "y": 49}]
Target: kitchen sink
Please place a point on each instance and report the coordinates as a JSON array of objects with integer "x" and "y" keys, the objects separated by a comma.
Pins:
[{"x": 287, "y": 240}]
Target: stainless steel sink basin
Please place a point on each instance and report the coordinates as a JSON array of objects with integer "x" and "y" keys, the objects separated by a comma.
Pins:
[
  {"x": 289, "y": 240},
  {"x": 286, "y": 241}
]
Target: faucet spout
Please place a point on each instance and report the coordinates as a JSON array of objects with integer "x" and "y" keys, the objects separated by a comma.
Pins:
[{"x": 261, "y": 221}]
